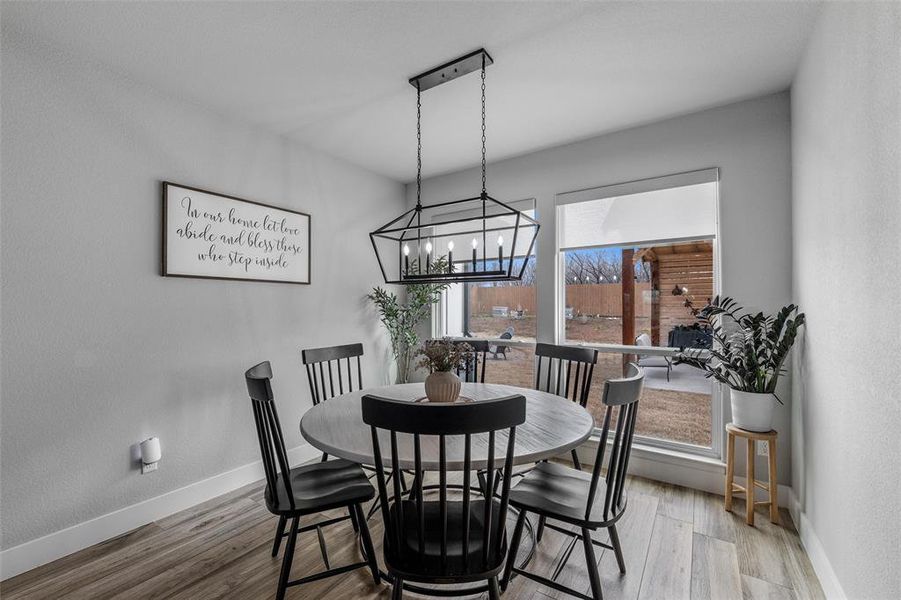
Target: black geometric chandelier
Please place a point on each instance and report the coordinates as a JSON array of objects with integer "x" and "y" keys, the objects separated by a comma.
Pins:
[{"x": 469, "y": 240}]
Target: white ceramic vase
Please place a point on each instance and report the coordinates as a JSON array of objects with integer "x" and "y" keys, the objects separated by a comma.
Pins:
[
  {"x": 442, "y": 386},
  {"x": 752, "y": 411}
]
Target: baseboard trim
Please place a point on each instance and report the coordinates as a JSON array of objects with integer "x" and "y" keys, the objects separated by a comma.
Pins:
[
  {"x": 53, "y": 546},
  {"x": 832, "y": 588}
]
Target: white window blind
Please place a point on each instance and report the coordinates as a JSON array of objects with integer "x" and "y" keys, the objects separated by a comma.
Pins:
[{"x": 668, "y": 208}]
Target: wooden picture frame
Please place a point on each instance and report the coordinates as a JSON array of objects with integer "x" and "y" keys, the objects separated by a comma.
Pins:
[{"x": 208, "y": 235}]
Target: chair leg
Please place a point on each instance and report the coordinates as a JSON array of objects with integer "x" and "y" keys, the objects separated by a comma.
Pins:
[
  {"x": 279, "y": 533},
  {"x": 367, "y": 544},
  {"x": 576, "y": 463},
  {"x": 514, "y": 548},
  {"x": 287, "y": 560},
  {"x": 483, "y": 483},
  {"x": 592, "y": 565},
  {"x": 617, "y": 548},
  {"x": 353, "y": 519},
  {"x": 397, "y": 591},
  {"x": 494, "y": 592},
  {"x": 540, "y": 532},
  {"x": 323, "y": 548}
]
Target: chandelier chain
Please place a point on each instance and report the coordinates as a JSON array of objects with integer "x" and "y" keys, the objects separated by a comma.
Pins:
[
  {"x": 484, "y": 189},
  {"x": 418, "y": 145}
]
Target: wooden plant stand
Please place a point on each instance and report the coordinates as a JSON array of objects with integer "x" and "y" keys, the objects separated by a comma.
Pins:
[{"x": 733, "y": 488}]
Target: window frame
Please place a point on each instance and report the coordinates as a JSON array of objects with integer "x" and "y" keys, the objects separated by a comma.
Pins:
[{"x": 709, "y": 175}]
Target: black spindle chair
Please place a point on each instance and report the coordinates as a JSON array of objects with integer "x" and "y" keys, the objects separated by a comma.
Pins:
[
  {"x": 325, "y": 369},
  {"x": 306, "y": 490},
  {"x": 330, "y": 372},
  {"x": 471, "y": 372},
  {"x": 443, "y": 541},
  {"x": 559, "y": 493},
  {"x": 565, "y": 371}
]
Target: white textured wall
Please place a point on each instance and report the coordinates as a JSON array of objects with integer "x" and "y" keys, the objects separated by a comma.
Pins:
[
  {"x": 846, "y": 158},
  {"x": 98, "y": 350},
  {"x": 750, "y": 143}
]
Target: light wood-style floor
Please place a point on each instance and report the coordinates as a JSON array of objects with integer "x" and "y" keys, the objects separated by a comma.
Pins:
[{"x": 678, "y": 543}]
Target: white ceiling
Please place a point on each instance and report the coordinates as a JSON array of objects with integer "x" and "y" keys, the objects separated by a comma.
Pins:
[{"x": 334, "y": 75}]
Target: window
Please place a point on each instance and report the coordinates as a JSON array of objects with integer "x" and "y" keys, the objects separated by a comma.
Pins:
[{"x": 637, "y": 262}]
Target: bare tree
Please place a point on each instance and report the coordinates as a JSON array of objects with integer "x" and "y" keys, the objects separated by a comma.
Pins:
[
  {"x": 528, "y": 275},
  {"x": 594, "y": 266},
  {"x": 642, "y": 271}
]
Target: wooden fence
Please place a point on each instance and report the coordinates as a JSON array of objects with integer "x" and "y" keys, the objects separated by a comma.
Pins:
[{"x": 591, "y": 299}]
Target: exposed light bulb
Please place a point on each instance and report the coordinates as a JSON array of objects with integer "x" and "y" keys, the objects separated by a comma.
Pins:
[
  {"x": 475, "y": 243},
  {"x": 406, "y": 250},
  {"x": 428, "y": 246},
  {"x": 500, "y": 240},
  {"x": 450, "y": 246}
]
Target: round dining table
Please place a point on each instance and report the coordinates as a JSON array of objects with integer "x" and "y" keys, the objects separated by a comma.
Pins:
[{"x": 553, "y": 426}]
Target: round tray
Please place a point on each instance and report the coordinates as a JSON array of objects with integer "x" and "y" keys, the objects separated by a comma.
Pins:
[{"x": 461, "y": 400}]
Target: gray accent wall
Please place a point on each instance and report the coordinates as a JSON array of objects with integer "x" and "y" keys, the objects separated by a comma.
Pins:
[
  {"x": 98, "y": 350},
  {"x": 750, "y": 143},
  {"x": 846, "y": 160}
]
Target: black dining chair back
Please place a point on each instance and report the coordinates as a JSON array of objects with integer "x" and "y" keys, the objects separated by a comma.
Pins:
[
  {"x": 309, "y": 489},
  {"x": 565, "y": 371},
  {"x": 269, "y": 432},
  {"x": 473, "y": 371},
  {"x": 620, "y": 397},
  {"x": 443, "y": 541},
  {"x": 331, "y": 370}
]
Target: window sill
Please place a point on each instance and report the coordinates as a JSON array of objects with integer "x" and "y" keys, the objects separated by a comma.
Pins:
[
  {"x": 664, "y": 455},
  {"x": 668, "y": 465}
]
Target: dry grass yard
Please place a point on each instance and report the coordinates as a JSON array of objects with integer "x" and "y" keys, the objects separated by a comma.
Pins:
[{"x": 666, "y": 414}]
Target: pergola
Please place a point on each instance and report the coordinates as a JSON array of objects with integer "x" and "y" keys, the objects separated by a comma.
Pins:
[{"x": 686, "y": 267}]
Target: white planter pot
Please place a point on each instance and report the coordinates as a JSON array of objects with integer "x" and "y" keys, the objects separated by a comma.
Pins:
[{"x": 752, "y": 411}]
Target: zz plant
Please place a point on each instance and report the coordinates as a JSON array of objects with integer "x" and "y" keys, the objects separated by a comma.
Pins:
[{"x": 749, "y": 350}]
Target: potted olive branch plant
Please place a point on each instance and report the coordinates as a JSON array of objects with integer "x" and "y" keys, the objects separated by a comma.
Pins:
[
  {"x": 748, "y": 354},
  {"x": 441, "y": 358},
  {"x": 401, "y": 319}
]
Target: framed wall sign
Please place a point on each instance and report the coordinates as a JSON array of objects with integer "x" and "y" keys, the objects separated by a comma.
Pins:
[{"x": 214, "y": 236}]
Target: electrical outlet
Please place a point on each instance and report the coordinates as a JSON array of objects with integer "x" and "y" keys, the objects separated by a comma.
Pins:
[
  {"x": 763, "y": 449},
  {"x": 149, "y": 468}
]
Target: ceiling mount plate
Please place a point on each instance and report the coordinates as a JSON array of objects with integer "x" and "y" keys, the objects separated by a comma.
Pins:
[{"x": 450, "y": 71}]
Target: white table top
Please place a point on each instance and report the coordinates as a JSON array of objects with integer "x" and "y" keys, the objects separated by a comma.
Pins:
[{"x": 553, "y": 426}]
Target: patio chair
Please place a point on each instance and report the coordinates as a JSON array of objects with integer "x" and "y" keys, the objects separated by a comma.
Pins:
[
  {"x": 502, "y": 350},
  {"x": 647, "y": 360}
]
